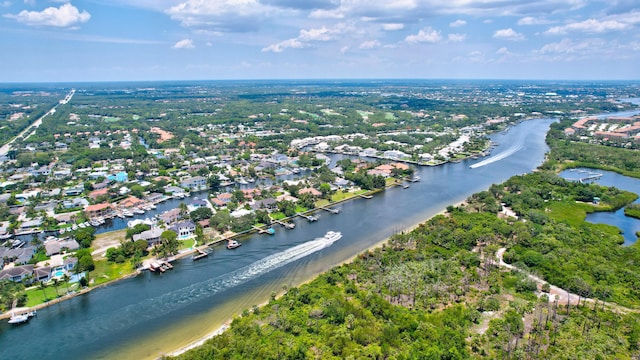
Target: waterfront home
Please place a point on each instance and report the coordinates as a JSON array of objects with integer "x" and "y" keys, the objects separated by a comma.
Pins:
[
  {"x": 130, "y": 202},
  {"x": 194, "y": 183},
  {"x": 225, "y": 198},
  {"x": 311, "y": 191},
  {"x": 184, "y": 229},
  {"x": 17, "y": 255},
  {"x": 101, "y": 210},
  {"x": 17, "y": 273},
  {"x": 154, "y": 198},
  {"x": 170, "y": 216},
  {"x": 175, "y": 191},
  {"x": 265, "y": 204},
  {"x": 56, "y": 246},
  {"x": 152, "y": 236},
  {"x": 98, "y": 193},
  {"x": 42, "y": 274}
]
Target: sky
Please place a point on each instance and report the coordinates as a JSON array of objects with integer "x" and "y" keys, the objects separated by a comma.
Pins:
[{"x": 131, "y": 40}]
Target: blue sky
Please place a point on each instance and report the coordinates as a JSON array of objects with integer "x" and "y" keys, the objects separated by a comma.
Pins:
[{"x": 112, "y": 40}]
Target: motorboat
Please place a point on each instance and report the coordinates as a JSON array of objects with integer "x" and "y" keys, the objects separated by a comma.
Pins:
[
  {"x": 232, "y": 244},
  {"x": 333, "y": 236}
]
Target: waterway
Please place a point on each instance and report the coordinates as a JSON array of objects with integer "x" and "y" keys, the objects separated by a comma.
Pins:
[
  {"x": 627, "y": 225},
  {"x": 154, "y": 314}
]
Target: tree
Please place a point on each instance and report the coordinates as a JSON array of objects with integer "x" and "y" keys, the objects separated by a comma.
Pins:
[
  {"x": 184, "y": 210},
  {"x": 201, "y": 213},
  {"x": 66, "y": 279},
  {"x": 213, "y": 182},
  {"x": 168, "y": 243},
  {"x": 42, "y": 287},
  {"x": 199, "y": 233},
  {"x": 137, "y": 229},
  {"x": 325, "y": 189}
]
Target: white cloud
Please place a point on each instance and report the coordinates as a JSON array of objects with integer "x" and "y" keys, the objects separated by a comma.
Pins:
[
  {"x": 283, "y": 45},
  {"x": 312, "y": 35},
  {"x": 184, "y": 44},
  {"x": 456, "y": 37},
  {"x": 457, "y": 23},
  {"x": 372, "y": 44},
  {"x": 508, "y": 34},
  {"x": 503, "y": 51},
  {"x": 425, "y": 35},
  {"x": 530, "y": 20},
  {"x": 392, "y": 26},
  {"x": 589, "y": 26},
  {"x": 5, "y": 4},
  {"x": 65, "y": 16},
  {"x": 227, "y": 15}
]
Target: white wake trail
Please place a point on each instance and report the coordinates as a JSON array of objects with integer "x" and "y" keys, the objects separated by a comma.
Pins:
[{"x": 510, "y": 151}]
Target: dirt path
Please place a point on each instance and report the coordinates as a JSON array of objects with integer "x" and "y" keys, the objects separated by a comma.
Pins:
[{"x": 563, "y": 296}]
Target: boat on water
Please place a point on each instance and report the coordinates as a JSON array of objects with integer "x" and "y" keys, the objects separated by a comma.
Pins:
[
  {"x": 17, "y": 319},
  {"x": 271, "y": 231},
  {"x": 232, "y": 244},
  {"x": 138, "y": 211},
  {"x": 127, "y": 213},
  {"x": 333, "y": 236}
]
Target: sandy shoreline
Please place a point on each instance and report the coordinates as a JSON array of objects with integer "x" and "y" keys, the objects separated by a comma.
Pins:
[{"x": 227, "y": 323}]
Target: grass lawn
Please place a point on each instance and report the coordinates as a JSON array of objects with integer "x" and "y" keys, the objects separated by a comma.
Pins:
[
  {"x": 300, "y": 209},
  {"x": 277, "y": 215},
  {"x": 35, "y": 296},
  {"x": 187, "y": 244},
  {"x": 106, "y": 271}
]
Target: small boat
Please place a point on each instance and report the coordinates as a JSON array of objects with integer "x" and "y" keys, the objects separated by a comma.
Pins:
[
  {"x": 127, "y": 213},
  {"x": 405, "y": 186},
  {"x": 138, "y": 211},
  {"x": 21, "y": 318},
  {"x": 271, "y": 231},
  {"x": 82, "y": 225},
  {"x": 333, "y": 236},
  {"x": 232, "y": 244},
  {"x": 74, "y": 227}
]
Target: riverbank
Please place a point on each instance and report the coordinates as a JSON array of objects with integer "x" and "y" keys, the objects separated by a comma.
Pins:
[{"x": 227, "y": 323}]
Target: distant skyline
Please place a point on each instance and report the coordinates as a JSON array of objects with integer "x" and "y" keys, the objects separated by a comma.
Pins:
[{"x": 131, "y": 40}]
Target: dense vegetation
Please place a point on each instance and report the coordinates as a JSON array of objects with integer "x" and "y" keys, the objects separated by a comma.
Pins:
[{"x": 428, "y": 293}]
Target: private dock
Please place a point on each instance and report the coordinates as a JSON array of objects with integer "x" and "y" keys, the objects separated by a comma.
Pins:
[
  {"x": 287, "y": 225},
  {"x": 268, "y": 231},
  {"x": 331, "y": 210},
  {"x": 308, "y": 217},
  {"x": 201, "y": 254},
  {"x": 366, "y": 196}
]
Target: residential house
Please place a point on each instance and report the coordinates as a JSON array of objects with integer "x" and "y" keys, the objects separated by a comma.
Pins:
[
  {"x": 311, "y": 191},
  {"x": 265, "y": 204},
  {"x": 101, "y": 210},
  {"x": 184, "y": 229},
  {"x": 17, "y": 273},
  {"x": 151, "y": 236},
  {"x": 170, "y": 216},
  {"x": 130, "y": 203},
  {"x": 194, "y": 183},
  {"x": 56, "y": 246}
]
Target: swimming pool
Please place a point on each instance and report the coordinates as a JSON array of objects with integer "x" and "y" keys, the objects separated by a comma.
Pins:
[{"x": 58, "y": 273}]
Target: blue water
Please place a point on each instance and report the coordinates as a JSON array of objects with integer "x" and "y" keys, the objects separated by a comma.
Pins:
[{"x": 627, "y": 225}]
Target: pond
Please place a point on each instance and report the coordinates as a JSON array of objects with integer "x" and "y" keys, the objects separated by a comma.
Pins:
[{"x": 627, "y": 225}]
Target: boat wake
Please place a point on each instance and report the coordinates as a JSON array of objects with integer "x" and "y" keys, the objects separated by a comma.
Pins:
[
  {"x": 510, "y": 151},
  {"x": 161, "y": 305}
]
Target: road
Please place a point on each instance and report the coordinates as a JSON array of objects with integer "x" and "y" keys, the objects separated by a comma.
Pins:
[{"x": 4, "y": 150}]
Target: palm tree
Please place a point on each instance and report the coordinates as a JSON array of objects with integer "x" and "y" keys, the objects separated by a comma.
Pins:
[
  {"x": 184, "y": 211},
  {"x": 66, "y": 279},
  {"x": 43, "y": 286},
  {"x": 55, "y": 285}
]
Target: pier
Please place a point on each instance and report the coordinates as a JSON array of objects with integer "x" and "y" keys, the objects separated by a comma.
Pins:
[
  {"x": 201, "y": 254},
  {"x": 287, "y": 225},
  {"x": 268, "y": 231},
  {"x": 308, "y": 217},
  {"x": 366, "y": 196},
  {"x": 331, "y": 210}
]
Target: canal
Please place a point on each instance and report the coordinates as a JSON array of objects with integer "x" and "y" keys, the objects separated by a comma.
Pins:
[{"x": 155, "y": 314}]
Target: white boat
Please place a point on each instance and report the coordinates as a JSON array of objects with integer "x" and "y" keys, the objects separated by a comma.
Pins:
[
  {"x": 127, "y": 213},
  {"x": 21, "y": 318},
  {"x": 232, "y": 244},
  {"x": 138, "y": 211},
  {"x": 333, "y": 236}
]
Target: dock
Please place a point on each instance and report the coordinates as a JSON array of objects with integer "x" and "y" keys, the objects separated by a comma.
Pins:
[
  {"x": 308, "y": 217},
  {"x": 331, "y": 210},
  {"x": 287, "y": 225},
  {"x": 201, "y": 254},
  {"x": 366, "y": 196},
  {"x": 268, "y": 231},
  {"x": 159, "y": 265}
]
